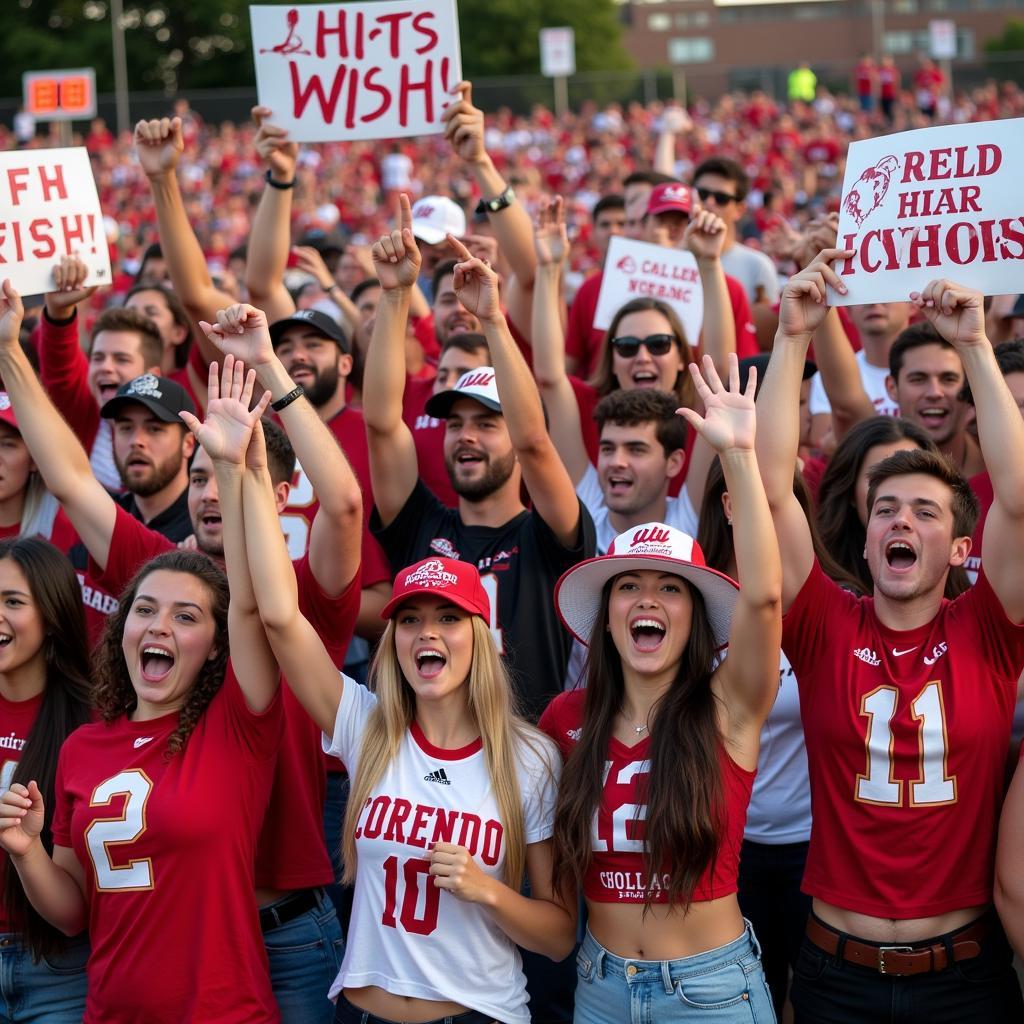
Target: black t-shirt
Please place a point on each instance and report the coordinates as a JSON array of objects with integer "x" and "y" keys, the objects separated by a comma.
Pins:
[{"x": 519, "y": 562}]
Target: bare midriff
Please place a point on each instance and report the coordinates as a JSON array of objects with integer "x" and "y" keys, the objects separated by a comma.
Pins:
[
  {"x": 894, "y": 930},
  {"x": 405, "y": 1008}
]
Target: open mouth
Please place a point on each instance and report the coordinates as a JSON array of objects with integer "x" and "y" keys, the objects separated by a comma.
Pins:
[
  {"x": 210, "y": 520},
  {"x": 430, "y": 662},
  {"x": 934, "y": 415},
  {"x": 468, "y": 458},
  {"x": 899, "y": 555},
  {"x": 107, "y": 391},
  {"x": 647, "y": 634},
  {"x": 157, "y": 662},
  {"x": 5, "y": 639},
  {"x": 619, "y": 484},
  {"x": 645, "y": 379}
]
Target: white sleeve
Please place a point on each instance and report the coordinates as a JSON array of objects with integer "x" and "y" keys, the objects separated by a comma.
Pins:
[
  {"x": 540, "y": 767},
  {"x": 356, "y": 705},
  {"x": 681, "y": 514},
  {"x": 768, "y": 278},
  {"x": 818, "y": 402},
  {"x": 588, "y": 490}
]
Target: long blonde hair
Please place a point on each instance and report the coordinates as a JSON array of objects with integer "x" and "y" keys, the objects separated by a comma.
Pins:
[{"x": 502, "y": 733}]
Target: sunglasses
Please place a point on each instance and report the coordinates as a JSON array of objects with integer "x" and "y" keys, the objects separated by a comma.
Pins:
[
  {"x": 656, "y": 344},
  {"x": 722, "y": 198}
]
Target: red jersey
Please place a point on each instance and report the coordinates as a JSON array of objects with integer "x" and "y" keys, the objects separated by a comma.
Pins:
[
  {"x": 16, "y": 720},
  {"x": 428, "y": 434},
  {"x": 907, "y": 735},
  {"x": 864, "y": 75},
  {"x": 583, "y": 340},
  {"x": 298, "y": 515},
  {"x": 167, "y": 846},
  {"x": 616, "y": 873},
  {"x": 981, "y": 484},
  {"x": 888, "y": 82},
  {"x": 291, "y": 852},
  {"x": 62, "y": 534}
]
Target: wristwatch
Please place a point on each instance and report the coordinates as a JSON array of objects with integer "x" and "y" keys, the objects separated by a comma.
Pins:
[{"x": 499, "y": 202}]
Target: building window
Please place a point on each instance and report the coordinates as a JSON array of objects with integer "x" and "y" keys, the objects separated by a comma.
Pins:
[
  {"x": 659, "y": 22},
  {"x": 904, "y": 7},
  {"x": 697, "y": 50}
]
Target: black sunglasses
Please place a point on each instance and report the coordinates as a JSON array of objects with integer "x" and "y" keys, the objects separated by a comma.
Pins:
[
  {"x": 656, "y": 344},
  {"x": 722, "y": 198}
]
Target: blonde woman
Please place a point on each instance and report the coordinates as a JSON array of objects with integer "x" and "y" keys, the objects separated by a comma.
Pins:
[{"x": 452, "y": 795}]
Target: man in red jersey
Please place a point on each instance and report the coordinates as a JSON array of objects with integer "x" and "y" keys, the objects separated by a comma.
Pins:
[{"x": 907, "y": 700}]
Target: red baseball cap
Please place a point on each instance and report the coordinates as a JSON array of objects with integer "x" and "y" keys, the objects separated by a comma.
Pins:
[
  {"x": 453, "y": 581},
  {"x": 670, "y": 197},
  {"x": 7, "y": 411}
]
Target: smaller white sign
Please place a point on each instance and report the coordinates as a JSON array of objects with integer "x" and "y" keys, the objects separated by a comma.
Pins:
[
  {"x": 557, "y": 52},
  {"x": 49, "y": 209},
  {"x": 942, "y": 39},
  {"x": 640, "y": 270}
]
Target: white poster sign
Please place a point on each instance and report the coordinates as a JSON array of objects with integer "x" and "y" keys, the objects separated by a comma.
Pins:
[
  {"x": 49, "y": 209},
  {"x": 942, "y": 39},
  {"x": 378, "y": 70},
  {"x": 640, "y": 270},
  {"x": 557, "y": 52},
  {"x": 931, "y": 203}
]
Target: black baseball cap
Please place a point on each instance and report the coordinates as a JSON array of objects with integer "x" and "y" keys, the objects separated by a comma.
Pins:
[
  {"x": 163, "y": 397},
  {"x": 761, "y": 363},
  {"x": 315, "y": 318},
  {"x": 324, "y": 241},
  {"x": 1017, "y": 311}
]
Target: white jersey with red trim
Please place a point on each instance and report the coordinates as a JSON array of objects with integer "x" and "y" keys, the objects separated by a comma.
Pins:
[{"x": 407, "y": 936}]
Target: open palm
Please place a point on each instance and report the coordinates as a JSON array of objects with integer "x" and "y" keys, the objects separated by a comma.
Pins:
[{"x": 729, "y": 421}]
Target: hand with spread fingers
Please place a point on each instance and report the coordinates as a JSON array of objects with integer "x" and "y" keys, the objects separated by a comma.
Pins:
[
  {"x": 476, "y": 283},
  {"x": 396, "y": 257},
  {"x": 158, "y": 145},
  {"x": 956, "y": 312},
  {"x": 804, "y": 299},
  {"x": 729, "y": 421}
]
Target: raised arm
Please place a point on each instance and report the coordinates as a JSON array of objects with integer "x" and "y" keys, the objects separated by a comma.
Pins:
[
  {"x": 840, "y": 376},
  {"x": 673, "y": 121},
  {"x": 336, "y": 536},
  {"x": 778, "y": 411},
  {"x": 58, "y": 454},
  {"x": 464, "y": 128},
  {"x": 546, "y": 478},
  {"x": 748, "y": 679},
  {"x": 231, "y": 434},
  {"x": 704, "y": 238},
  {"x": 393, "y": 467},
  {"x": 270, "y": 237},
  {"x": 552, "y": 245},
  {"x": 958, "y": 314}
]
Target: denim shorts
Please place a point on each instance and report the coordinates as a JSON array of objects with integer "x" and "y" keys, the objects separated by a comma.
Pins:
[
  {"x": 50, "y": 991},
  {"x": 724, "y": 985}
]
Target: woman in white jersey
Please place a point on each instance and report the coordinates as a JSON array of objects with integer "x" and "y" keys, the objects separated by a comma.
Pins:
[{"x": 452, "y": 795}]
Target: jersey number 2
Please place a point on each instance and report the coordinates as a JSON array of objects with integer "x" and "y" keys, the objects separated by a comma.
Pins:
[
  {"x": 417, "y": 923},
  {"x": 105, "y": 833},
  {"x": 933, "y": 785}
]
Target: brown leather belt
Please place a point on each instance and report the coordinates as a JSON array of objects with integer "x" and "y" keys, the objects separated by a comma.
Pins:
[{"x": 899, "y": 961}]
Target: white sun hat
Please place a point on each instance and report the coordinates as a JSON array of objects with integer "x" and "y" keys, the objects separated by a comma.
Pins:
[{"x": 650, "y": 546}]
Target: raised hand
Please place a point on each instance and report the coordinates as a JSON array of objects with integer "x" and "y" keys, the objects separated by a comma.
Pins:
[
  {"x": 242, "y": 331},
  {"x": 12, "y": 312},
  {"x": 229, "y": 424},
  {"x": 464, "y": 125},
  {"x": 309, "y": 261},
  {"x": 729, "y": 419},
  {"x": 68, "y": 277},
  {"x": 274, "y": 147},
  {"x": 705, "y": 235},
  {"x": 159, "y": 145},
  {"x": 21, "y": 818},
  {"x": 803, "y": 305},
  {"x": 476, "y": 283},
  {"x": 484, "y": 247},
  {"x": 550, "y": 238},
  {"x": 396, "y": 257},
  {"x": 454, "y": 870},
  {"x": 956, "y": 312}
]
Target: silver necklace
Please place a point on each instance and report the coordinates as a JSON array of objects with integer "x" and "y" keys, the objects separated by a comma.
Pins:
[{"x": 640, "y": 729}]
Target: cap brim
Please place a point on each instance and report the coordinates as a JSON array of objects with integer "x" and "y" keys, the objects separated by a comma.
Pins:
[
  {"x": 440, "y": 405},
  {"x": 427, "y": 233},
  {"x": 670, "y": 208},
  {"x": 396, "y": 602},
  {"x": 111, "y": 408},
  {"x": 578, "y": 592},
  {"x": 278, "y": 327}
]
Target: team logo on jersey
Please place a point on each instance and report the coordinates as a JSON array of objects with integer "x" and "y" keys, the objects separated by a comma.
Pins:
[
  {"x": 440, "y": 776},
  {"x": 937, "y": 652},
  {"x": 142, "y": 741},
  {"x": 431, "y": 574},
  {"x": 906, "y": 650},
  {"x": 443, "y": 546},
  {"x": 574, "y": 734},
  {"x": 868, "y": 656}
]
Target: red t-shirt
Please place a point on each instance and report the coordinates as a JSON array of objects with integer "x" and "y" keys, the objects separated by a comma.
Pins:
[
  {"x": 291, "y": 851},
  {"x": 62, "y": 533},
  {"x": 865, "y": 78},
  {"x": 167, "y": 846},
  {"x": 889, "y": 83},
  {"x": 583, "y": 340},
  {"x": 428, "y": 433},
  {"x": 907, "y": 735},
  {"x": 981, "y": 484},
  {"x": 616, "y": 872},
  {"x": 16, "y": 720}
]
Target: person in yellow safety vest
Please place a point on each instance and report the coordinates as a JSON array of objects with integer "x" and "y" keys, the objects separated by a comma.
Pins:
[{"x": 802, "y": 83}]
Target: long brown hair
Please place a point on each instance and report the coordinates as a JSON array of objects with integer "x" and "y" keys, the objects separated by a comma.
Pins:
[
  {"x": 65, "y": 706},
  {"x": 684, "y": 791},
  {"x": 114, "y": 694},
  {"x": 604, "y": 379}
]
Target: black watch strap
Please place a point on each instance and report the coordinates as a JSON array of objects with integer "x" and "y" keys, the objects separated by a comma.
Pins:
[{"x": 499, "y": 202}]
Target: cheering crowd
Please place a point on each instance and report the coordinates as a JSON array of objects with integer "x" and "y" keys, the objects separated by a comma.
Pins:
[{"x": 382, "y": 641}]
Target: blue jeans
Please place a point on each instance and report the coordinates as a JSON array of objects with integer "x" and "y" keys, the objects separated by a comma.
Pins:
[
  {"x": 305, "y": 957},
  {"x": 335, "y": 805},
  {"x": 49, "y": 992},
  {"x": 724, "y": 985}
]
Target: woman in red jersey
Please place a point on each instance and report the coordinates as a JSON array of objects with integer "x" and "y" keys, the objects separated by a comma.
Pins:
[
  {"x": 662, "y": 748},
  {"x": 158, "y": 804}
]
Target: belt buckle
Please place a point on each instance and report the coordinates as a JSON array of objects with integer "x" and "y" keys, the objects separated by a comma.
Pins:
[{"x": 882, "y": 950}]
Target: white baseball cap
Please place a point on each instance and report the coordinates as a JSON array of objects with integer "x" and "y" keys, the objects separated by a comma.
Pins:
[
  {"x": 478, "y": 384},
  {"x": 433, "y": 217},
  {"x": 650, "y": 546}
]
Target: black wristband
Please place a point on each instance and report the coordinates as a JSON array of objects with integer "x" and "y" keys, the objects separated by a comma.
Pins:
[
  {"x": 285, "y": 400},
  {"x": 282, "y": 185}
]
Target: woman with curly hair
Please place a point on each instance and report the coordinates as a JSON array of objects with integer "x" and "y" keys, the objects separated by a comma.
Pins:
[{"x": 159, "y": 803}]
